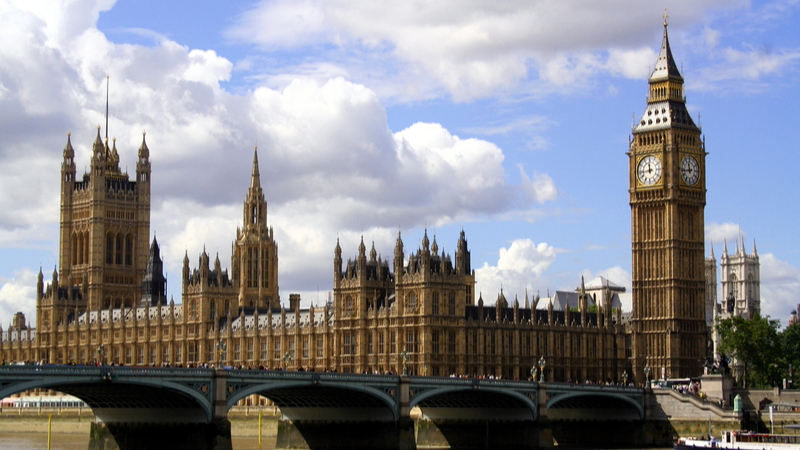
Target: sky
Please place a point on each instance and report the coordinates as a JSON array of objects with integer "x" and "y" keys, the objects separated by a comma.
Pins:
[{"x": 508, "y": 119}]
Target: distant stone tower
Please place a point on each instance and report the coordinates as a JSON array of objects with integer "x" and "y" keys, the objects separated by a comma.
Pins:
[
  {"x": 255, "y": 253},
  {"x": 741, "y": 281},
  {"x": 711, "y": 288},
  {"x": 667, "y": 179},
  {"x": 154, "y": 284}
]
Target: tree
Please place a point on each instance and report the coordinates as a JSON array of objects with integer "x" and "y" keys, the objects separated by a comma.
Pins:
[
  {"x": 755, "y": 346},
  {"x": 790, "y": 343}
]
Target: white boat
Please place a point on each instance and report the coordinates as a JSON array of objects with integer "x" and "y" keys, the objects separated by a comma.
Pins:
[{"x": 743, "y": 440}]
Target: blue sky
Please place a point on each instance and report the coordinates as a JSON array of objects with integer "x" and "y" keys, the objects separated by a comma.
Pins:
[{"x": 507, "y": 119}]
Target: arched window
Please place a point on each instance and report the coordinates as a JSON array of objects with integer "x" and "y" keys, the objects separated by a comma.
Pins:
[
  {"x": 451, "y": 304},
  {"x": 128, "y": 250},
  {"x": 349, "y": 305},
  {"x": 75, "y": 249},
  {"x": 412, "y": 301},
  {"x": 118, "y": 250},
  {"x": 85, "y": 257},
  {"x": 435, "y": 304},
  {"x": 212, "y": 310},
  {"x": 109, "y": 249}
]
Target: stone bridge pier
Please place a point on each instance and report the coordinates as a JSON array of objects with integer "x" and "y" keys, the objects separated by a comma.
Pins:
[{"x": 179, "y": 423}]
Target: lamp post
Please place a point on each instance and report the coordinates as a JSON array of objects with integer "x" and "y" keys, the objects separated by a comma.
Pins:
[
  {"x": 625, "y": 377},
  {"x": 542, "y": 365},
  {"x": 101, "y": 352},
  {"x": 647, "y": 374},
  {"x": 287, "y": 359},
  {"x": 533, "y": 372},
  {"x": 221, "y": 347},
  {"x": 404, "y": 358}
]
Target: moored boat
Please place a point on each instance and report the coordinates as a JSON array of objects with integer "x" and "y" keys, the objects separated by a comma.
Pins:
[{"x": 742, "y": 440}]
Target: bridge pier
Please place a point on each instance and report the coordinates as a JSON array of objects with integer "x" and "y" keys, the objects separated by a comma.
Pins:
[
  {"x": 344, "y": 436},
  {"x": 477, "y": 435},
  {"x": 215, "y": 435}
]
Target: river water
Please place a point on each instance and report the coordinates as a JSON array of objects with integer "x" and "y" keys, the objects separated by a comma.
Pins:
[{"x": 38, "y": 441}]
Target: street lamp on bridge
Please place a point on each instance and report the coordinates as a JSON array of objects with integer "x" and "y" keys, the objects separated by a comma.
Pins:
[
  {"x": 221, "y": 347},
  {"x": 287, "y": 359},
  {"x": 101, "y": 352},
  {"x": 647, "y": 374},
  {"x": 542, "y": 365}
]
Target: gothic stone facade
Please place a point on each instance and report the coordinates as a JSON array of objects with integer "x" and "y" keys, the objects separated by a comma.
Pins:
[{"x": 421, "y": 312}]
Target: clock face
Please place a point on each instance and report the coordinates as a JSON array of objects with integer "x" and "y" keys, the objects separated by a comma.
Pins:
[
  {"x": 649, "y": 171},
  {"x": 690, "y": 170}
]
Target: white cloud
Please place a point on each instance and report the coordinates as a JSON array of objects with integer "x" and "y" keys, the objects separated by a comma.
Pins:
[
  {"x": 470, "y": 49},
  {"x": 18, "y": 294},
  {"x": 329, "y": 162},
  {"x": 719, "y": 233},
  {"x": 540, "y": 189},
  {"x": 519, "y": 268},
  {"x": 780, "y": 282}
]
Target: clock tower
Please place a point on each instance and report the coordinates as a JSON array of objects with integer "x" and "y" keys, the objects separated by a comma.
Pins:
[{"x": 667, "y": 170}]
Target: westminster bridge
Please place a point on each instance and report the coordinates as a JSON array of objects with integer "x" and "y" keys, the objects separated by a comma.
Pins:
[{"x": 187, "y": 408}]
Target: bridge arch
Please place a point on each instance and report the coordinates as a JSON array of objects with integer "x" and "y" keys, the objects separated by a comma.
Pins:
[
  {"x": 465, "y": 397},
  {"x": 105, "y": 390},
  {"x": 295, "y": 395},
  {"x": 598, "y": 402}
]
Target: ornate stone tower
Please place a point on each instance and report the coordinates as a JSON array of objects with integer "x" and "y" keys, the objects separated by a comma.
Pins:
[
  {"x": 741, "y": 282},
  {"x": 667, "y": 197},
  {"x": 105, "y": 227},
  {"x": 254, "y": 258}
]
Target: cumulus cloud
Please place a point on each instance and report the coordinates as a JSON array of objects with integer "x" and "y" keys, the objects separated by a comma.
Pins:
[
  {"x": 719, "y": 233},
  {"x": 329, "y": 162},
  {"x": 18, "y": 294},
  {"x": 780, "y": 282},
  {"x": 469, "y": 49},
  {"x": 518, "y": 269}
]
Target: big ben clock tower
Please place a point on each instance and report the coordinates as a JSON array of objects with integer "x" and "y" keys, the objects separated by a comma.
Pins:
[{"x": 667, "y": 196}]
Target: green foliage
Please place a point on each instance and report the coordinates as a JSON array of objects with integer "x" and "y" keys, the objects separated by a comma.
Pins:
[
  {"x": 790, "y": 344},
  {"x": 756, "y": 347}
]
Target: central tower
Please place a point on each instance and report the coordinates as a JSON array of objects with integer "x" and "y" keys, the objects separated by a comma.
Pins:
[
  {"x": 255, "y": 252},
  {"x": 667, "y": 197}
]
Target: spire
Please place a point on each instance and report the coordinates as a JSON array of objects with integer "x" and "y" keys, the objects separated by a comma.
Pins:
[
  {"x": 712, "y": 251},
  {"x": 425, "y": 241},
  {"x": 434, "y": 246},
  {"x": 255, "y": 181},
  {"x": 373, "y": 254},
  {"x": 69, "y": 152},
  {"x": 755, "y": 251},
  {"x": 362, "y": 249},
  {"x": 665, "y": 66},
  {"x": 144, "y": 152},
  {"x": 725, "y": 247}
]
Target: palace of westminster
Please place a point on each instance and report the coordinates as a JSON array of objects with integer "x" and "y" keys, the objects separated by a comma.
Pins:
[{"x": 106, "y": 302}]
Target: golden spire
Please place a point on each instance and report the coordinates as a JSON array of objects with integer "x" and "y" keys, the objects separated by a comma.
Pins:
[{"x": 666, "y": 16}]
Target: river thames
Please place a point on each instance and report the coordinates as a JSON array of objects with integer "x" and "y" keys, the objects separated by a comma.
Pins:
[{"x": 38, "y": 441}]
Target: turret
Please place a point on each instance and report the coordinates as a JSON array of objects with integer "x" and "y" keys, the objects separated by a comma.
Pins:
[
  {"x": 337, "y": 262},
  {"x": 68, "y": 165},
  {"x": 185, "y": 270},
  {"x": 399, "y": 256},
  {"x": 462, "y": 256},
  {"x": 143, "y": 163}
]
